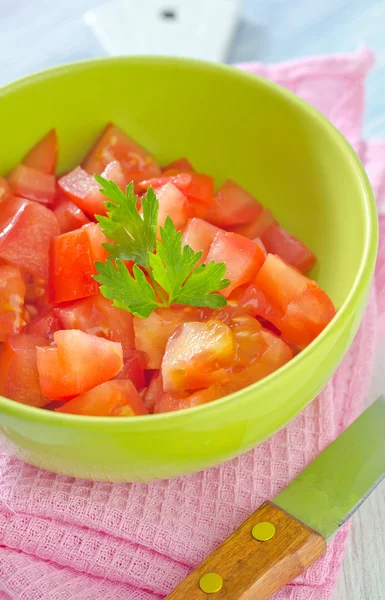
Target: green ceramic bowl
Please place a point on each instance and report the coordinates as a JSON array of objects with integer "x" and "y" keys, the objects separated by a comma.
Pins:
[{"x": 230, "y": 124}]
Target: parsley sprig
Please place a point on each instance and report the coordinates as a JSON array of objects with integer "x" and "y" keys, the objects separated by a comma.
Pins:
[{"x": 159, "y": 279}]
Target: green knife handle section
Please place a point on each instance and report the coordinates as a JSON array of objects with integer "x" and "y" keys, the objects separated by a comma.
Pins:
[{"x": 265, "y": 553}]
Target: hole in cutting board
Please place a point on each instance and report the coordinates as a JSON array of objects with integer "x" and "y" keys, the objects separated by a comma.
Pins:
[{"x": 169, "y": 14}]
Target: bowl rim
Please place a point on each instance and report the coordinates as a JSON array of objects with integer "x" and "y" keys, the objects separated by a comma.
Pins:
[{"x": 361, "y": 281}]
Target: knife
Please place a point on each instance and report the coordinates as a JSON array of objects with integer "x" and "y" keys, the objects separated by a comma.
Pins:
[{"x": 284, "y": 537}]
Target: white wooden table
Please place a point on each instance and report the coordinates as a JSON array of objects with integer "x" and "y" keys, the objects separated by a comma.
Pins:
[{"x": 41, "y": 33}]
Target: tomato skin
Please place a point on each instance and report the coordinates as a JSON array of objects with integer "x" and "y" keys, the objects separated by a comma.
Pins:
[
  {"x": 172, "y": 203},
  {"x": 242, "y": 257},
  {"x": 77, "y": 363},
  {"x": 69, "y": 216},
  {"x": 12, "y": 293},
  {"x": 196, "y": 356},
  {"x": 32, "y": 184},
  {"x": 179, "y": 165},
  {"x": 43, "y": 155},
  {"x": 115, "y": 145},
  {"x": 199, "y": 235},
  {"x": 72, "y": 259},
  {"x": 153, "y": 333},
  {"x": 109, "y": 399},
  {"x": 233, "y": 205},
  {"x": 26, "y": 231},
  {"x": 5, "y": 190},
  {"x": 279, "y": 241},
  {"x": 97, "y": 316},
  {"x": 256, "y": 227},
  {"x": 19, "y": 378},
  {"x": 133, "y": 368},
  {"x": 154, "y": 391}
]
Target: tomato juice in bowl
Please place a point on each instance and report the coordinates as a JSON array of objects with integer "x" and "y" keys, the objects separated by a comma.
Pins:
[{"x": 285, "y": 155}]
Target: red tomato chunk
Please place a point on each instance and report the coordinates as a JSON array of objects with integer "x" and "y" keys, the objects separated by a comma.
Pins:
[
  {"x": 77, "y": 363},
  {"x": 72, "y": 264},
  {"x": 43, "y": 156},
  {"x": 19, "y": 377},
  {"x": 26, "y": 231},
  {"x": 110, "y": 399},
  {"x": 30, "y": 183},
  {"x": 113, "y": 145},
  {"x": 243, "y": 258}
]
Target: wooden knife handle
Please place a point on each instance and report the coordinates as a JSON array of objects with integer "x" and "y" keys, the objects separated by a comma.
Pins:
[{"x": 249, "y": 569}]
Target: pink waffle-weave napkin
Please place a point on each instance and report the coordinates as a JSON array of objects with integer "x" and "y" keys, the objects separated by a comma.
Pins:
[{"x": 62, "y": 538}]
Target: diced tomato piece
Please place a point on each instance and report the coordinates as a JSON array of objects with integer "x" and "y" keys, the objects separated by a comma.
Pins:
[
  {"x": 30, "y": 183},
  {"x": 43, "y": 156},
  {"x": 256, "y": 304},
  {"x": 275, "y": 354},
  {"x": 44, "y": 324},
  {"x": 242, "y": 257},
  {"x": 196, "y": 356},
  {"x": 257, "y": 227},
  {"x": 279, "y": 241},
  {"x": 19, "y": 378},
  {"x": 280, "y": 282},
  {"x": 172, "y": 203},
  {"x": 200, "y": 235},
  {"x": 12, "y": 293},
  {"x": 97, "y": 315},
  {"x": 180, "y": 180},
  {"x": 306, "y": 316},
  {"x": 179, "y": 165},
  {"x": 200, "y": 189},
  {"x": 72, "y": 263},
  {"x": 69, "y": 216},
  {"x": 233, "y": 205},
  {"x": 154, "y": 391},
  {"x": 83, "y": 189},
  {"x": 109, "y": 399},
  {"x": 152, "y": 334},
  {"x": 305, "y": 308},
  {"x": 26, "y": 231},
  {"x": 77, "y": 363},
  {"x": 246, "y": 331},
  {"x": 134, "y": 363},
  {"x": 112, "y": 145},
  {"x": 5, "y": 190}
]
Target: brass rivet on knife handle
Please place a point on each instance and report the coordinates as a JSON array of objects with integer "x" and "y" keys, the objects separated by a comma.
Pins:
[
  {"x": 251, "y": 570},
  {"x": 211, "y": 583},
  {"x": 263, "y": 531}
]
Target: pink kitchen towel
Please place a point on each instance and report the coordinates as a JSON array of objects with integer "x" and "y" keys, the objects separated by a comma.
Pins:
[{"x": 64, "y": 538}]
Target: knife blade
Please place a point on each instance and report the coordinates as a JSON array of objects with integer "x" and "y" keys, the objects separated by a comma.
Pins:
[{"x": 284, "y": 537}]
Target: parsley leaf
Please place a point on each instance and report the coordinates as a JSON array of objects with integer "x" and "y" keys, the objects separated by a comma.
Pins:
[
  {"x": 133, "y": 235},
  {"x": 134, "y": 294},
  {"x": 168, "y": 276},
  {"x": 172, "y": 268}
]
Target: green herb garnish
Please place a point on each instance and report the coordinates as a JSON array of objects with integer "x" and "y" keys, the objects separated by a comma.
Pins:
[{"x": 161, "y": 279}]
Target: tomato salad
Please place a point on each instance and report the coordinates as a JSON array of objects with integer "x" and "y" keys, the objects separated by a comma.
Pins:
[{"x": 143, "y": 290}]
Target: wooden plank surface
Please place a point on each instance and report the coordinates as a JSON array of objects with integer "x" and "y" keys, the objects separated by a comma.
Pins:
[{"x": 41, "y": 33}]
